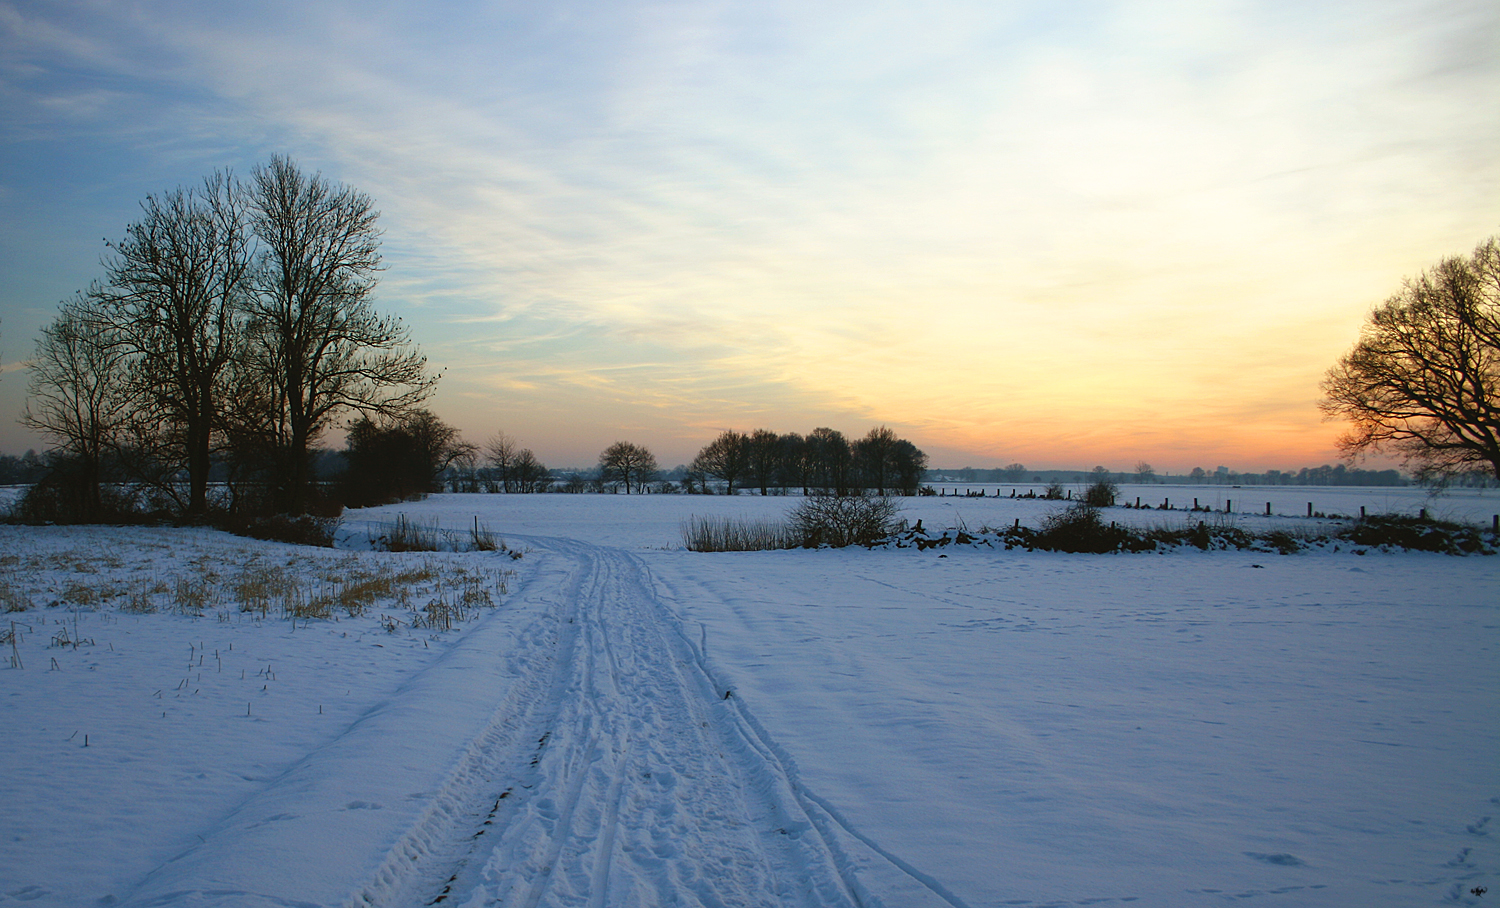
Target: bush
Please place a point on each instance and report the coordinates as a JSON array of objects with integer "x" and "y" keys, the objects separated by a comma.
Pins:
[
  {"x": 1101, "y": 494},
  {"x": 304, "y": 529},
  {"x": 727, "y": 534},
  {"x": 1417, "y": 533},
  {"x": 67, "y": 496},
  {"x": 843, "y": 521},
  {"x": 1079, "y": 528}
]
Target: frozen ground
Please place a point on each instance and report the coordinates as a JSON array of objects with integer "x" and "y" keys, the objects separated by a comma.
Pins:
[{"x": 634, "y": 724}]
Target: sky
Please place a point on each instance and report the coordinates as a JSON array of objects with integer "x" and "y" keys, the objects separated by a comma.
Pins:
[{"x": 1064, "y": 234}]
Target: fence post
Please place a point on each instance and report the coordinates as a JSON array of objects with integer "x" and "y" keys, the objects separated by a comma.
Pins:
[
  {"x": 1268, "y": 509},
  {"x": 1228, "y": 505},
  {"x": 1309, "y": 509},
  {"x": 1361, "y": 512}
]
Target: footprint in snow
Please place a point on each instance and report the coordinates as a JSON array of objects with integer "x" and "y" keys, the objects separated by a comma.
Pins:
[
  {"x": 28, "y": 893},
  {"x": 1280, "y": 859}
]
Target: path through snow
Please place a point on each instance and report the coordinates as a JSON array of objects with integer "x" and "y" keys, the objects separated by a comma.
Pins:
[{"x": 614, "y": 771}]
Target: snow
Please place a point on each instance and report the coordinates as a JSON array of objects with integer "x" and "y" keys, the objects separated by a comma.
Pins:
[{"x": 635, "y": 724}]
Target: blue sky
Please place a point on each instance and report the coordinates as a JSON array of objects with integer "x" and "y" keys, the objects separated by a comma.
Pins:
[{"x": 1066, "y": 234}]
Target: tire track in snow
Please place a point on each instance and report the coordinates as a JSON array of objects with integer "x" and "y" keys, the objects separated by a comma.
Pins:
[
  {"x": 640, "y": 788},
  {"x": 619, "y": 772}
]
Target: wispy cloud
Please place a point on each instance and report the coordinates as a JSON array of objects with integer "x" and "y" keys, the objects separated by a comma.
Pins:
[{"x": 1010, "y": 225}]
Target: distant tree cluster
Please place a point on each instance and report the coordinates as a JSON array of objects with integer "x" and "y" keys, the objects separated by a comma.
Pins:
[
  {"x": 22, "y": 470},
  {"x": 233, "y": 325},
  {"x": 822, "y": 462},
  {"x": 1325, "y": 475},
  {"x": 510, "y": 468}
]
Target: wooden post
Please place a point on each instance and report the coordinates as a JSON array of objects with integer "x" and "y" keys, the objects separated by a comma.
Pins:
[
  {"x": 1361, "y": 512},
  {"x": 1495, "y": 523},
  {"x": 1422, "y": 514},
  {"x": 1195, "y": 504},
  {"x": 1268, "y": 509},
  {"x": 1309, "y": 509},
  {"x": 1137, "y": 501},
  {"x": 1228, "y": 505}
]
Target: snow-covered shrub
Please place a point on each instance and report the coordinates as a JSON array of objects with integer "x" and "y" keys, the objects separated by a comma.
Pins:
[
  {"x": 843, "y": 521},
  {"x": 1419, "y": 533}
]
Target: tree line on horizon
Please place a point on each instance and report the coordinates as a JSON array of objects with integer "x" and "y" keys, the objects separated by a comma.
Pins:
[
  {"x": 822, "y": 462},
  {"x": 1325, "y": 475},
  {"x": 233, "y": 326}
]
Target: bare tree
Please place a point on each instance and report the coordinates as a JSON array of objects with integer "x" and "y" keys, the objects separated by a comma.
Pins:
[
  {"x": 500, "y": 454},
  {"x": 1422, "y": 379},
  {"x": 628, "y": 464},
  {"x": 909, "y": 467},
  {"x": 724, "y": 457},
  {"x": 529, "y": 474},
  {"x": 173, "y": 301},
  {"x": 1144, "y": 473},
  {"x": 762, "y": 455},
  {"x": 874, "y": 459},
  {"x": 78, "y": 394},
  {"x": 830, "y": 461},
  {"x": 792, "y": 463},
  {"x": 319, "y": 348}
]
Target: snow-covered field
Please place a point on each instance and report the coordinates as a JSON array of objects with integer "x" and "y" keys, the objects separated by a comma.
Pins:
[{"x": 635, "y": 724}]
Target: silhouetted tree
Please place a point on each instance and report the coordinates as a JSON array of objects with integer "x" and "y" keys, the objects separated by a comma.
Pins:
[
  {"x": 173, "y": 301},
  {"x": 1422, "y": 380},
  {"x": 909, "y": 464},
  {"x": 792, "y": 462},
  {"x": 529, "y": 474},
  {"x": 1014, "y": 472},
  {"x": 725, "y": 457},
  {"x": 830, "y": 461},
  {"x": 628, "y": 464},
  {"x": 500, "y": 456},
  {"x": 397, "y": 459},
  {"x": 1144, "y": 472},
  {"x": 78, "y": 397},
  {"x": 318, "y": 348},
  {"x": 762, "y": 453},
  {"x": 874, "y": 459}
]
